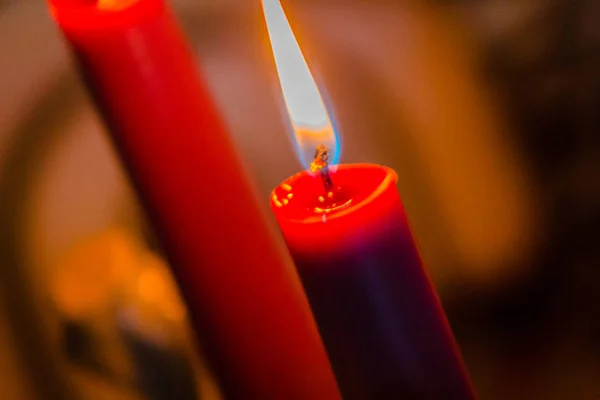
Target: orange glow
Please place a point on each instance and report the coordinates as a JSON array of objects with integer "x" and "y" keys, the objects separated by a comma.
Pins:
[
  {"x": 92, "y": 270},
  {"x": 276, "y": 201},
  {"x": 308, "y": 115},
  {"x": 114, "y": 5},
  {"x": 174, "y": 310},
  {"x": 152, "y": 284},
  {"x": 332, "y": 208}
]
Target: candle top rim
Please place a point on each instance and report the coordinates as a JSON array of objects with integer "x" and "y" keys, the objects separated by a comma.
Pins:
[
  {"x": 90, "y": 15},
  {"x": 380, "y": 179}
]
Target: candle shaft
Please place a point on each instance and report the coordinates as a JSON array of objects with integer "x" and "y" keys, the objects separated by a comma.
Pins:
[
  {"x": 242, "y": 294},
  {"x": 379, "y": 316},
  {"x": 381, "y": 321}
]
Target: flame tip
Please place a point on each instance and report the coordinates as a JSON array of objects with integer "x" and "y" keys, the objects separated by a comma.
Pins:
[{"x": 308, "y": 114}]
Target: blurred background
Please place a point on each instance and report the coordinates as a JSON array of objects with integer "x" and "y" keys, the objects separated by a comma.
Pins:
[{"x": 488, "y": 110}]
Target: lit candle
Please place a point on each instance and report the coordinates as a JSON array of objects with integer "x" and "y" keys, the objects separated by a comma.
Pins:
[
  {"x": 377, "y": 311},
  {"x": 241, "y": 291}
]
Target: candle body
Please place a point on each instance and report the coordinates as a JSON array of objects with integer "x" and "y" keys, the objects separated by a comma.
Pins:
[
  {"x": 380, "y": 318},
  {"x": 241, "y": 291}
]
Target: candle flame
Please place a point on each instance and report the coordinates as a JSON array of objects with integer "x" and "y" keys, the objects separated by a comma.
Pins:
[{"x": 306, "y": 109}]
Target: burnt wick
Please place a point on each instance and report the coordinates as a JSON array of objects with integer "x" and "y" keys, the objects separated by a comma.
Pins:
[{"x": 320, "y": 164}]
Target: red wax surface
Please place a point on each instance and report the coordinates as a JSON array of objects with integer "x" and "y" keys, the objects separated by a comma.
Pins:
[
  {"x": 243, "y": 295},
  {"x": 379, "y": 316},
  {"x": 362, "y": 196}
]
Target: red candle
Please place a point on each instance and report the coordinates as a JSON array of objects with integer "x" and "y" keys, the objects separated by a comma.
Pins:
[
  {"x": 378, "y": 313},
  {"x": 241, "y": 291},
  {"x": 380, "y": 319}
]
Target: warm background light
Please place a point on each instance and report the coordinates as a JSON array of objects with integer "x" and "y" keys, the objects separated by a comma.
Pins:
[{"x": 485, "y": 109}]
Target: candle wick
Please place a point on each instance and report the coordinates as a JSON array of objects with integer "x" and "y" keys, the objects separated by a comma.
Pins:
[
  {"x": 326, "y": 178},
  {"x": 320, "y": 164}
]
